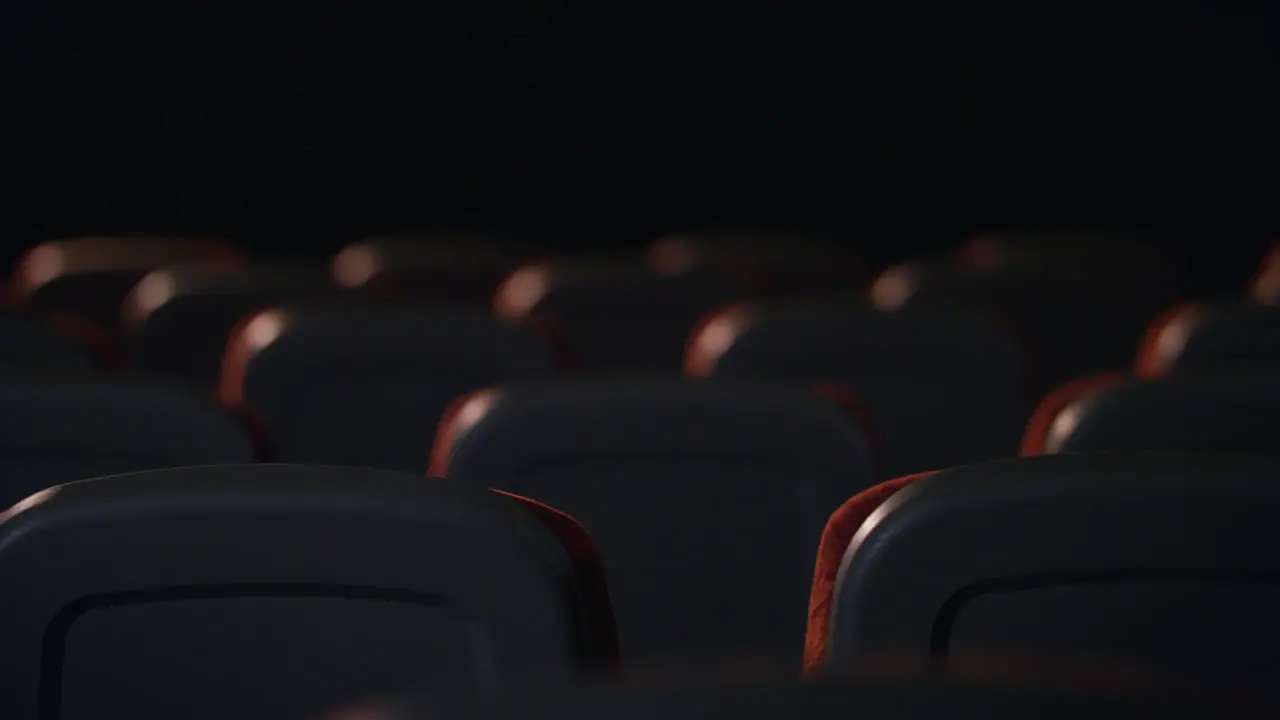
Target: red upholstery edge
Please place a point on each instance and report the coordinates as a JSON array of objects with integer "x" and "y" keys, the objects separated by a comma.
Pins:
[
  {"x": 235, "y": 368},
  {"x": 1037, "y": 431},
  {"x": 1148, "y": 363},
  {"x": 699, "y": 359},
  {"x": 836, "y": 536},
  {"x": 601, "y": 650}
]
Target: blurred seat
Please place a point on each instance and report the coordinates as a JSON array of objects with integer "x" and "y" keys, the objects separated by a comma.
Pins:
[
  {"x": 26, "y": 343},
  {"x": 60, "y": 429},
  {"x": 1164, "y": 561},
  {"x": 706, "y": 498},
  {"x": 438, "y": 269},
  {"x": 991, "y": 691},
  {"x": 179, "y": 319},
  {"x": 1078, "y": 315},
  {"x": 1226, "y": 335},
  {"x": 1264, "y": 287},
  {"x": 1140, "y": 253},
  {"x": 1228, "y": 413},
  {"x": 945, "y": 388},
  {"x": 91, "y": 276},
  {"x": 609, "y": 315},
  {"x": 271, "y": 591},
  {"x": 766, "y": 264},
  {"x": 367, "y": 386}
]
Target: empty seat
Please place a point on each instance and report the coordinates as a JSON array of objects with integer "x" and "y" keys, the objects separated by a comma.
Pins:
[
  {"x": 613, "y": 315},
  {"x": 1230, "y": 413},
  {"x": 179, "y": 319},
  {"x": 444, "y": 269},
  {"x": 945, "y": 388},
  {"x": 367, "y": 386},
  {"x": 26, "y": 343},
  {"x": 1138, "y": 253},
  {"x": 282, "y": 590},
  {"x": 59, "y": 429},
  {"x": 1212, "y": 336},
  {"x": 777, "y": 264},
  {"x": 1264, "y": 287},
  {"x": 92, "y": 276},
  {"x": 1077, "y": 316},
  {"x": 1163, "y": 561},
  {"x": 706, "y": 498}
]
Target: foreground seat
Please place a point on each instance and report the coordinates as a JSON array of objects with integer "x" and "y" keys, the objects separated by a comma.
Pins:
[
  {"x": 1168, "y": 562},
  {"x": 1211, "y": 336},
  {"x": 945, "y": 388},
  {"x": 283, "y": 590},
  {"x": 60, "y": 429},
  {"x": 367, "y": 386},
  {"x": 1228, "y": 413},
  {"x": 706, "y": 498},
  {"x": 91, "y": 276},
  {"x": 179, "y": 319}
]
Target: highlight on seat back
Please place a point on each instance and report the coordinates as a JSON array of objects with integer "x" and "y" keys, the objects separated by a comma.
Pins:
[
  {"x": 437, "y": 268},
  {"x": 180, "y": 318},
  {"x": 283, "y": 590},
  {"x": 366, "y": 385},
  {"x": 766, "y": 263},
  {"x": 26, "y": 343},
  {"x": 614, "y": 314},
  {"x": 945, "y": 387},
  {"x": 706, "y": 498},
  {"x": 1199, "y": 413},
  {"x": 989, "y": 690},
  {"x": 1211, "y": 336},
  {"x": 1264, "y": 287},
  {"x": 1163, "y": 561},
  {"x": 60, "y": 429},
  {"x": 91, "y": 276},
  {"x": 1078, "y": 316}
]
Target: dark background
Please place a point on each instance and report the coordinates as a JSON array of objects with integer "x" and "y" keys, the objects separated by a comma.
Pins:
[{"x": 296, "y": 126}]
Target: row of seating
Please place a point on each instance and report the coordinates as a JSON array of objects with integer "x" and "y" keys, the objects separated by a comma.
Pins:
[
  {"x": 1079, "y": 307},
  {"x": 647, "y": 464},
  {"x": 275, "y": 590},
  {"x": 368, "y": 385}
]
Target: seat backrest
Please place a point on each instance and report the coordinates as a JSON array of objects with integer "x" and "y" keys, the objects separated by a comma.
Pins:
[
  {"x": 1233, "y": 413},
  {"x": 441, "y": 269},
  {"x": 706, "y": 498},
  {"x": 1078, "y": 316},
  {"x": 365, "y": 385},
  {"x": 1170, "y": 562},
  {"x": 1140, "y": 253},
  {"x": 60, "y": 429},
  {"x": 91, "y": 276},
  {"x": 28, "y": 344},
  {"x": 766, "y": 263},
  {"x": 1227, "y": 335},
  {"x": 179, "y": 319},
  {"x": 614, "y": 315},
  {"x": 1264, "y": 286},
  {"x": 279, "y": 591},
  {"x": 945, "y": 387}
]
